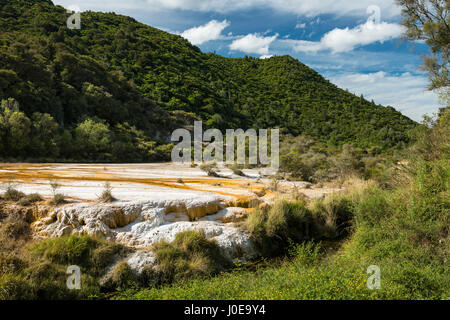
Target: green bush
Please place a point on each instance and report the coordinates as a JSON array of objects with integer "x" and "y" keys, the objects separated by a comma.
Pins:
[
  {"x": 83, "y": 251},
  {"x": 334, "y": 214},
  {"x": 190, "y": 255},
  {"x": 274, "y": 229},
  {"x": 106, "y": 195},
  {"x": 13, "y": 228},
  {"x": 66, "y": 250},
  {"x": 12, "y": 194},
  {"x": 14, "y": 287}
]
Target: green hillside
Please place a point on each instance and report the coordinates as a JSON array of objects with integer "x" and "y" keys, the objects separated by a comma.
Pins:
[{"x": 117, "y": 88}]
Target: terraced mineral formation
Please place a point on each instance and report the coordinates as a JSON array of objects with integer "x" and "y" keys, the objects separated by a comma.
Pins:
[{"x": 155, "y": 202}]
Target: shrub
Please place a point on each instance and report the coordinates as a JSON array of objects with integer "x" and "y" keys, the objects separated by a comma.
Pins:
[
  {"x": 83, "y": 251},
  {"x": 297, "y": 195},
  {"x": 306, "y": 254},
  {"x": 237, "y": 170},
  {"x": 190, "y": 255},
  {"x": 38, "y": 271},
  {"x": 66, "y": 250},
  {"x": 14, "y": 287},
  {"x": 123, "y": 276},
  {"x": 30, "y": 199},
  {"x": 371, "y": 206},
  {"x": 58, "y": 199},
  {"x": 16, "y": 229},
  {"x": 274, "y": 184},
  {"x": 334, "y": 213},
  {"x": 285, "y": 222},
  {"x": 12, "y": 194},
  {"x": 13, "y": 228},
  {"x": 210, "y": 168},
  {"x": 106, "y": 195}
]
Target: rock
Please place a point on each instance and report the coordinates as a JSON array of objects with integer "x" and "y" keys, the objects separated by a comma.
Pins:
[
  {"x": 231, "y": 214},
  {"x": 235, "y": 242},
  {"x": 141, "y": 259}
]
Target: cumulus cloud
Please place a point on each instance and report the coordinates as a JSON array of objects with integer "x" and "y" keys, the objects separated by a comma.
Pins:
[
  {"x": 267, "y": 56},
  {"x": 344, "y": 40},
  {"x": 301, "y": 7},
  {"x": 210, "y": 31},
  {"x": 309, "y": 8},
  {"x": 253, "y": 43},
  {"x": 406, "y": 92}
]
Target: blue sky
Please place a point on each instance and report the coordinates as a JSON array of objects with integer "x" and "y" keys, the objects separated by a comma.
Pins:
[{"x": 355, "y": 44}]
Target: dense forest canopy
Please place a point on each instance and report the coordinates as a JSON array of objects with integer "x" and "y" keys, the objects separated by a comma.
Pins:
[{"x": 116, "y": 88}]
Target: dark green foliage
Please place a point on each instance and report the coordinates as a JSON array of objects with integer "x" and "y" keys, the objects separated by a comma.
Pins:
[
  {"x": 237, "y": 169},
  {"x": 70, "y": 250},
  {"x": 114, "y": 90},
  {"x": 274, "y": 229},
  {"x": 210, "y": 169},
  {"x": 285, "y": 223}
]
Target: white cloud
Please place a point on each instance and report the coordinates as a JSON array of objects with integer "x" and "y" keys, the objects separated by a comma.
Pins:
[
  {"x": 267, "y": 56},
  {"x": 253, "y": 43},
  {"x": 301, "y": 7},
  {"x": 210, "y": 31},
  {"x": 101, "y": 5},
  {"x": 341, "y": 40},
  {"x": 405, "y": 92},
  {"x": 344, "y": 40},
  {"x": 300, "y": 26}
]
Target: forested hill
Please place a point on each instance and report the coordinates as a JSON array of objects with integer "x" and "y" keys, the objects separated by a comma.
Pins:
[{"x": 137, "y": 83}]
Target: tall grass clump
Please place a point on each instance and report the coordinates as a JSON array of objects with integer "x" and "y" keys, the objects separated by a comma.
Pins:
[
  {"x": 58, "y": 198},
  {"x": 334, "y": 215},
  {"x": 30, "y": 199},
  {"x": 275, "y": 228},
  {"x": 190, "y": 255},
  {"x": 210, "y": 168},
  {"x": 403, "y": 229},
  {"x": 11, "y": 193},
  {"x": 37, "y": 270}
]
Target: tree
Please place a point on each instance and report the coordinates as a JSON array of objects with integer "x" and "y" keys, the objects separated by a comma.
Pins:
[
  {"x": 429, "y": 20},
  {"x": 93, "y": 138},
  {"x": 14, "y": 128},
  {"x": 44, "y": 132}
]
